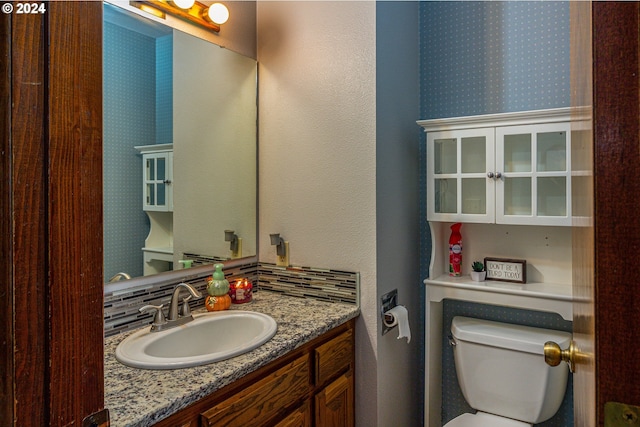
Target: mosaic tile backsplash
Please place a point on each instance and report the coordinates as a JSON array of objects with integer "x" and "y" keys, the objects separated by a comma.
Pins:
[
  {"x": 202, "y": 259},
  {"x": 308, "y": 282},
  {"x": 121, "y": 308}
]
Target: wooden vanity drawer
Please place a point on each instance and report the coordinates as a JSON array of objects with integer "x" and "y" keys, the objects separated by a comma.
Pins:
[
  {"x": 333, "y": 357},
  {"x": 261, "y": 401},
  {"x": 300, "y": 417}
]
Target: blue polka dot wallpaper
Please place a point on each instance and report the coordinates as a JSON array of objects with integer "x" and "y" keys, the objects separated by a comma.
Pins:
[
  {"x": 134, "y": 113},
  {"x": 493, "y": 57},
  {"x": 481, "y": 58}
]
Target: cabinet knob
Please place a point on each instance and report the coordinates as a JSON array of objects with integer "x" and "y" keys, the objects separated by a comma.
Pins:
[
  {"x": 498, "y": 175},
  {"x": 490, "y": 175},
  {"x": 167, "y": 181}
]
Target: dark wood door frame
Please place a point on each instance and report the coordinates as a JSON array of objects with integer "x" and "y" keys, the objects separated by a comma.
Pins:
[
  {"x": 617, "y": 201},
  {"x": 51, "y": 352}
]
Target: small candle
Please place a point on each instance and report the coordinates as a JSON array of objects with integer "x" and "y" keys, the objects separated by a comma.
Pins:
[{"x": 241, "y": 291}]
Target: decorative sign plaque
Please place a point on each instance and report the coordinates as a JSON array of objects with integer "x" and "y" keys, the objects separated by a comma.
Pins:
[{"x": 506, "y": 270}]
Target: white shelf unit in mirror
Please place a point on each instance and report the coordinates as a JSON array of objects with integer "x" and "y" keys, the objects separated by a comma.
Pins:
[
  {"x": 157, "y": 177},
  {"x": 157, "y": 202}
]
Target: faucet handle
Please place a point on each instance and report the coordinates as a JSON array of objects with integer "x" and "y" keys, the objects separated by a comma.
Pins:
[
  {"x": 185, "y": 309},
  {"x": 158, "y": 318}
]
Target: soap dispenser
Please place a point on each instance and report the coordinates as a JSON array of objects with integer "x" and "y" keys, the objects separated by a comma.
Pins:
[{"x": 218, "y": 290}]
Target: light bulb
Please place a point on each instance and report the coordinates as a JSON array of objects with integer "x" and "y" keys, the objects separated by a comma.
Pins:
[
  {"x": 218, "y": 13},
  {"x": 183, "y": 4}
]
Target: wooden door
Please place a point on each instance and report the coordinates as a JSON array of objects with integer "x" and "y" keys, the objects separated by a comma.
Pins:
[
  {"x": 617, "y": 202},
  {"x": 584, "y": 382},
  {"x": 51, "y": 351}
]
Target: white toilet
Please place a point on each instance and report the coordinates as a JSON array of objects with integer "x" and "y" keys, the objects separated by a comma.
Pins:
[{"x": 503, "y": 375}]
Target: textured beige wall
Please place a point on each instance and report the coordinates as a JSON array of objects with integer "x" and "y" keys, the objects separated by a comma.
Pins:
[
  {"x": 214, "y": 150},
  {"x": 317, "y": 165}
]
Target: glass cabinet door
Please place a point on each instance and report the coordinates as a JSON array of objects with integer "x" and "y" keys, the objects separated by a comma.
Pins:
[
  {"x": 458, "y": 163},
  {"x": 534, "y": 182},
  {"x": 157, "y": 181}
]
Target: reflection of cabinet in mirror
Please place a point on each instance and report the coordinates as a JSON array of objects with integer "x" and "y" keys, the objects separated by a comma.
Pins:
[
  {"x": 157, "y": 177},
  {"x": 512, "y": 168},
  {"x": 157, "y": 202}
]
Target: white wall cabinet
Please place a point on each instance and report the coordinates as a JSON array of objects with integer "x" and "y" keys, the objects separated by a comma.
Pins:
[
  {"x": 495, "y": 173},
  {"x": 512, "y": 168},
  {"x": 157, "y": 177},
  {"x": 157, "y": 202}
]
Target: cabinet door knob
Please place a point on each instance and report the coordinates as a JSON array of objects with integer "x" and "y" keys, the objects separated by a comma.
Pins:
[
  {"x": 498, "y": 175},
  {"x": 167, "y": 181},
  {"x": 490, "y": 175}
]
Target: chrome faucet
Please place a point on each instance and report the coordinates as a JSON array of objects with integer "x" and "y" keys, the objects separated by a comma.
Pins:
[
  {"x": 175, "y": 318},
  {"x": 174, "y": 304},
  {"x": 119, "y": 276}
]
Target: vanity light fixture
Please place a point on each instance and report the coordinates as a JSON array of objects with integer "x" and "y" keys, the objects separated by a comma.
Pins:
[
  {"x": 182, "y": 4},
  {"x": 217, "y": 13},
  {"x": 210, "y": 17}
]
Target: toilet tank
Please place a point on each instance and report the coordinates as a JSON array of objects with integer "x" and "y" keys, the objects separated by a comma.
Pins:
[{"x": 501, "y": 369}]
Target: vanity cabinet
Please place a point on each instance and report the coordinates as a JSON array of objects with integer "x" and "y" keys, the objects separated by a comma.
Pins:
[
  {"x": 263, "y": 399},
  {"x": 157, "y": 177},
  {"x": 299, "y": 417},
  {"x": 334, "y": 402},
  {"x": 311, "y": 386},
  {"x": 512, "y": 168}
]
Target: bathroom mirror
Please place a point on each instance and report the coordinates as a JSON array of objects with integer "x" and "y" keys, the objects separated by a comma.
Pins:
[{"x": 196, "y": 103}]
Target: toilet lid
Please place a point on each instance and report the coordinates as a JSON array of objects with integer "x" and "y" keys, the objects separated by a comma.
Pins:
[{"x": 482, "y": 419}]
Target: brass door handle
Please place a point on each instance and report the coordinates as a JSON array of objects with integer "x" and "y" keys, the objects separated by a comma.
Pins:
[{"x": 553, "y": 354}]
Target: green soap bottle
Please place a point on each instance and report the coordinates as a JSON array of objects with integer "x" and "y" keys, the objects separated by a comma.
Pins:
[{"x": 218, "y": 285}]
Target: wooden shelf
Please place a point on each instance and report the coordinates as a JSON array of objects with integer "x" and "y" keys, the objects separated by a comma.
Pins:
[{"x": 159, "y": 254}]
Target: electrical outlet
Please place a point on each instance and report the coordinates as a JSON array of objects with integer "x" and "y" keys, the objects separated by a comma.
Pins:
[{"x": 284, "y": 259}]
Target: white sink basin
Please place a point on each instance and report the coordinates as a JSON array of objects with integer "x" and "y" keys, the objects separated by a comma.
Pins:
[{"x": 210, "y": 337}]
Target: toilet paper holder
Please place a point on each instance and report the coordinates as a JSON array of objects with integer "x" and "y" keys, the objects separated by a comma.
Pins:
[{"x": 387, "y": 302}]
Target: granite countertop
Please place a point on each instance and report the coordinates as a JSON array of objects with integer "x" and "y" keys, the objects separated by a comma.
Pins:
[{"x": 140, "y": 397}]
